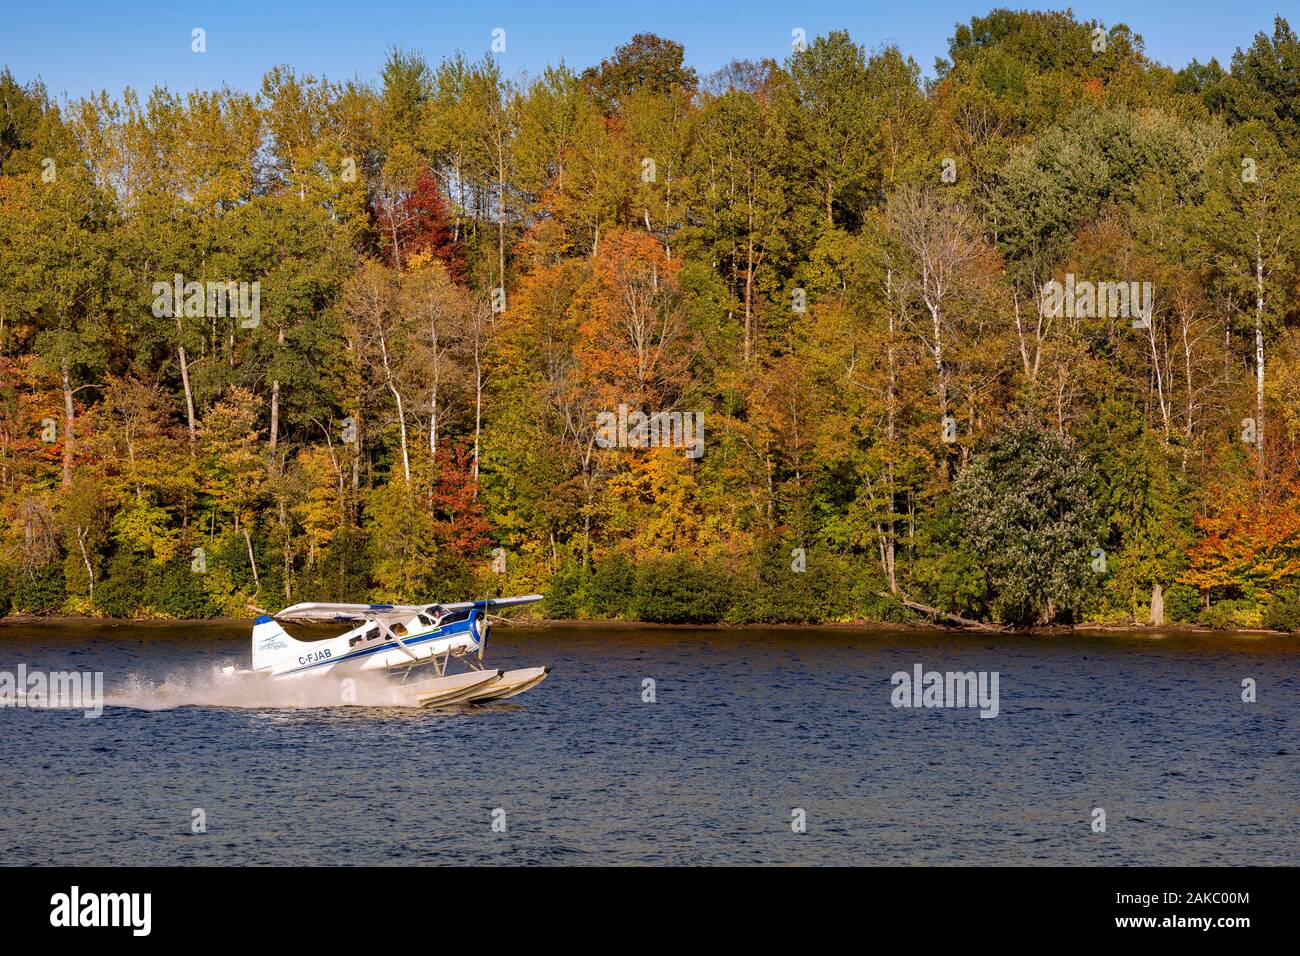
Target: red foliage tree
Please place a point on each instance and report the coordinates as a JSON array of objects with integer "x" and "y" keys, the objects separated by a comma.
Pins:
[
  {"x": 418, "y": 223},
  {"x": 461, "y": 529}
]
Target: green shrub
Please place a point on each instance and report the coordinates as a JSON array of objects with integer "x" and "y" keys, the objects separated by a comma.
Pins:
[
  {"x": 677, "y": 591},
  {"x": 42, "y": 590},
  {"x": 770, "y": 591},
  {"x": 121, "y": 591},
  {"x": 135, "y": 585},
  {"x": 952, "y": 582},
  {"x": 608, "y": 588},
  {"x": 1231, "y": 615},
  {"x": 6, "y": 589},
  {"x": 563, "y": 591},
  {"x": 343, "y": 571},
  {"x": 174, "y": 590},
  {"x": 773, "y": 592},
  {"x": 872, "y": 602},
  {"x": 1182, "y": 604},
  {"x": 1283, "y": 612}
]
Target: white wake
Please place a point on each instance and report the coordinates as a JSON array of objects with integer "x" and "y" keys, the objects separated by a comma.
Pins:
[{"x": 210, "y": 687}]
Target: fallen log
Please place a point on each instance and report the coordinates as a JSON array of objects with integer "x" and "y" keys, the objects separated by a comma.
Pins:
[{"x": 934, "y": 612}]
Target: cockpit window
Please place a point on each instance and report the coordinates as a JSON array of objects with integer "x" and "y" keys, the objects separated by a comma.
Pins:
[{"x": 369, "y": 634}]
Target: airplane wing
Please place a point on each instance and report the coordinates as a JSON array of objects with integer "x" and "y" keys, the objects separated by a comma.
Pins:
[
  {"x": 325, "y": 612},
  {"x": 495, "y": 603}
]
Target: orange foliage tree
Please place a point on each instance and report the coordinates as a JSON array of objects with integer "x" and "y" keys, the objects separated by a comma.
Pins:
[{"x": 1246, "y": 546}]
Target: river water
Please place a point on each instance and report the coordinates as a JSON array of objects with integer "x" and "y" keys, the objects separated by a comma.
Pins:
[{"x": 748, "y": 733}]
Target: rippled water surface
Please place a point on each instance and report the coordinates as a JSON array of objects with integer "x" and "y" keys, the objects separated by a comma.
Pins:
[{"x": 746, "y": 726}]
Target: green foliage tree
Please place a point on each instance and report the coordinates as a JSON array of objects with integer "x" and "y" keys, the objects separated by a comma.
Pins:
[{"x": 1028, "y": 509}]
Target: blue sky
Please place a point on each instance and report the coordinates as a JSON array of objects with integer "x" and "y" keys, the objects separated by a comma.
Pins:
[{"x": 84, "y": 46}]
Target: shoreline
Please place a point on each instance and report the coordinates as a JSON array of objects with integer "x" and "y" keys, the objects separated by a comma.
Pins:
[{"x": 581, "y": 623}]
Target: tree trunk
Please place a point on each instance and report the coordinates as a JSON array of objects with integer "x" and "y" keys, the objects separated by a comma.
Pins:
[
  {"x": 936, "y": 318},
  {"x": 189, "y": 396},
  {"x": 1259, "y": 366},
  {"x": 586, "y": 534},
  {"x": 891, "y": 403},
  {"x": 69, "y": 421},
  {"x": 288, "y": 554},
  {"x": 275, "y": 406},
  {"x": 437, "y": 383},
  {"x": 401, "y": 413},
  {"x": 1157, "y": 605},
  {"x": 275, "y": 417},
  {"x": 85, "y": 556},
  {"x": 252, "y": 561},
  {"x": 501, "y": 206},
  {"x": 934, "y": 612},
  {"x": 392, "y": 221},
  {"x": 749, "y": 303},
  {"x": 749, "y": 277},
  {"x": 478, "y": 409}
]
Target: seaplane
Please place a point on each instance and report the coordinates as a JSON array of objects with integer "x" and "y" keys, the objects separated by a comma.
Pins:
[{"x": 401, "y": 639}]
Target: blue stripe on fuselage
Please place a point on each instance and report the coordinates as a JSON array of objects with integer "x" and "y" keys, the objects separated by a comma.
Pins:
[{"x": 451, "y": 630}]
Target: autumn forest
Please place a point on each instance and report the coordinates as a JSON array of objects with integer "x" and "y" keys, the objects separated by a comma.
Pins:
[{"x": 826, "y": 337}]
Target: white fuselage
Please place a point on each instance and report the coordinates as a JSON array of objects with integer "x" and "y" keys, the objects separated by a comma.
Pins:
[{"x": 369, "y": 646}]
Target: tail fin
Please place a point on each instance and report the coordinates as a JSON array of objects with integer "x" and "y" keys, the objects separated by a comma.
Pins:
[{"x": 271, "y": 643}]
